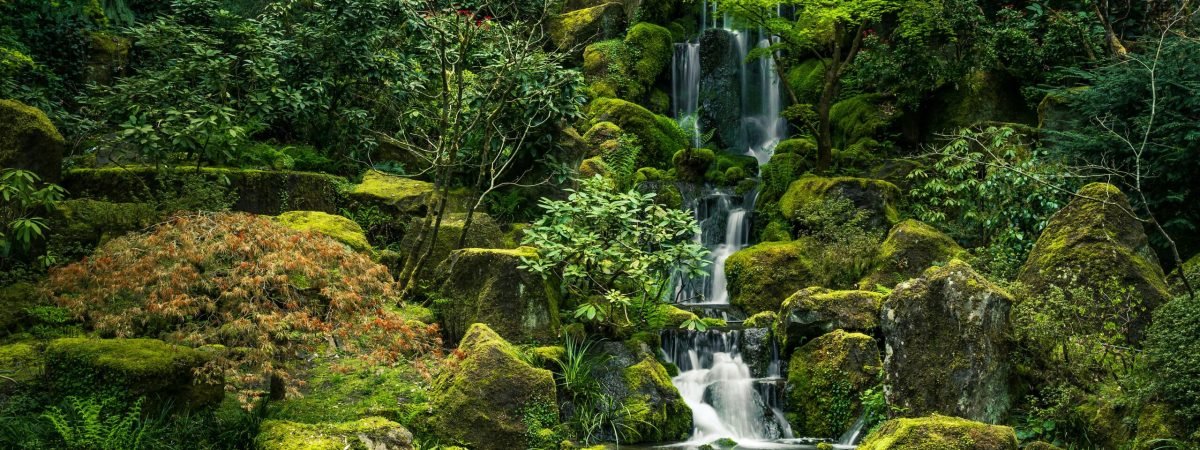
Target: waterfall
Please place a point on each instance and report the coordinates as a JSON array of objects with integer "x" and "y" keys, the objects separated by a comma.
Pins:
[{"x": 685, "y": 88}]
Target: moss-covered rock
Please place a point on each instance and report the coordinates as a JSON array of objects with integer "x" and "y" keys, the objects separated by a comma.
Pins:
[
  {"x": 372, "y": 433},
  {"x": 22, "y": 362},
  {"x": 14, "y": 300},
  {"x": 691, "y": 164},
  {"x": 392, "y": 193},
  {"x": 979, "y": 97},
  {"x": 864, "y": 116},
  {"x": 650, "y": 47},
  {"x": 765, "y": 319},
  {"x": 807, "y": 79},
  {"x": 940, "y": 433},
  {"x": 659, "y": 136},
  {"x": 484, "y": 233},
  {"x": 826, "y": 378},
  {"x": 674, "y": 317},
  {"x": 488, "y": 286},
  {"x": 108, "y": 56},
  {"x": 878, "y": 197},
  {"x": 910, "y": 248},
  {"x": 1094, "y": 245},
  {"x": 946, "y": 341},
  {"x": 815, "y": 311},
  {"x": 578, "y": 28},
  {"x": 634, "y": 378},
  {"x": 79, "y": 225},
  {"x": 29, "y": 141},
  {"x": 761, "y": 277},
  {"x": 336, "y": 227},
  {"x": 345, "y": 390},
  {"x": 481, "y": 398},
  {"x": 134, "y": 367},
  {"x": 599, "y": 134}
]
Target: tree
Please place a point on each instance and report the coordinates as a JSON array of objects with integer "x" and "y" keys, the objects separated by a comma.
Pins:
[
  {"x": 831, "y": 31},
  {"x": 613, "y": 251}
]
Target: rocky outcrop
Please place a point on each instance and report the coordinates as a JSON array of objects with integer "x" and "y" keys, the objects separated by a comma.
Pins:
[
  {"x": 1092, "y": 246},
  {"x": 946, "y": 348},
  {"x": 659, "y": 136},
  {"x": 481, "y": 397},
  {"x": 488, "y": 286},
  {"x": 879, "y": 198},
  {"x": 29, "y": 141},
  {"x": 333, "y": 226},
  {"x": 136, "y": 367},
  {"x": 826, "y": 379},
  {"x": 910, "y": 248},
  {"x": 941, "y": 433},
  {"x": 372, "y": 433},
  {"x": 814, "y": 311}
]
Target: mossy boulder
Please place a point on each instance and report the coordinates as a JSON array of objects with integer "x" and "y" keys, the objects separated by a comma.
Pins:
[
  {"x": 79, "y": 225},
  {"x": 634, "y": 378},
  {"x": 761, "y": 277},
  {"x": 878, "y": 197},
  {"x": 691, "y": 164},
  {"x": 939, "y": 433},
  {"x": 481, "y": 398},
  {"x": 826, "y": 378},
  {"x": 659, "y": 136},
  {"x": 864, "y": 116},
  {"x": 815, "y": 311},
  {"x": 22, "y": 362},
  {"x": 133, "y": 367},
  {"x": 29, "y": 141},
  {"x": 14, "y": 300},
  {"x": 946, "y": 341},
  {"x": 372, "y": 433},
  {"x": 109, "y": 55},
  {"x": 765, "y": 319},
  {"x": 391, "y": 193},
  {"x": 674, "y": 316},
  {"x": 484, "y": 233},
  {"x": 599, "y": 135},
  {"x": 807, "y": 79},
  {"x": 650, "y": 47},
  {"x": 575, "y": 29},
  {"x": 910, "y": 248},
  {"x": 1092, "y": 245},
  {"x": 488, "y": 286},
  {"x": 336, "y": 227},
  {"x": 348, "y": 389}
]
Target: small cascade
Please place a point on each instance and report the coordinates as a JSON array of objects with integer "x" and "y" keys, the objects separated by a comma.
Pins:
[
  {"x": 685, "y": 88},
  {"x": 855, "y": 433}
]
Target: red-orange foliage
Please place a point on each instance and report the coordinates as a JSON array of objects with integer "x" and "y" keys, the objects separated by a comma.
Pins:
[{"x": 269, "y": 295}]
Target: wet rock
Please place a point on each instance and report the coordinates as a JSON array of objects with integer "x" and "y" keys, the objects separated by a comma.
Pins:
[
  {"x": 652, "y": 407},
  {"x": 826, "y": 379},
  {"x": 488, "y": 286},
  {"x": 481, "y": 399},
  {"x": 815, "y": 311},
  {"x": 910, "y": 248},
  {"x": 372, "y": 433},
  {"x": 940, "y": 432},
  {"x": 758, "y": 350},
  {"x": 946, "y": 344},
  {"x": 29, "y": 141}
]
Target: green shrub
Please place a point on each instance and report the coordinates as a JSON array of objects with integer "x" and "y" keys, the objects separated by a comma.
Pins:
[
  {"x": 1173, "y": 347},
  {"x": 100, "y": 423}
]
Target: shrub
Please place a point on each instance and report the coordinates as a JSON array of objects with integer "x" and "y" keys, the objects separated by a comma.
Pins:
[
  {"x": 1173, "y": 347},
  {"x": 267, "y": 295}
]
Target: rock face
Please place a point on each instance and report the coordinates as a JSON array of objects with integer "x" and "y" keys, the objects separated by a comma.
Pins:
[
  {"x": 135, "y": 367},
  {"x": 481, "y": 400},
  {"x": 762, "y": 276},
  {"x": 876, "y": 196},
  {"x": 941, "y": 433},
  {"x": 634, "y": 378},
  {"x": 814, "y": 311},
  {"x": 372, "y": 433},
  {"x": 337, "y": 227},
  {"x": 946, "y": 350},
  {"x": 396, "y": 194},
  {"x": 487, "y": 286},
  {"x": 29, "y": 141},
  {"x": 1093, "y": 244},
  {"x": 910, "y": 248},
  {"x": 826, "y": 378}
]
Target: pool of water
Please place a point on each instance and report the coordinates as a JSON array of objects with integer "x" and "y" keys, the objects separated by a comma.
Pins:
[{"x": 782, "y": 444}]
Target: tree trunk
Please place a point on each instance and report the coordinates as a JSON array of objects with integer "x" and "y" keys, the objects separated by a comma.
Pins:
[{"x": 824, "y": 124}]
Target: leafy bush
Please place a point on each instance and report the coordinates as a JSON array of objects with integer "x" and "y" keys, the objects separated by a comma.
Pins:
[
  {"x": 1173, "y": 348},
  {"x": 840, "y": 240},
  {"x": 269, "y": 295},
  {"x": 23, "y": 198}
]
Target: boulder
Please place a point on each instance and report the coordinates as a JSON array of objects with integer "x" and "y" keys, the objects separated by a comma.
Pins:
[
  {"x": 910, "y": 248},
  {"x": 635, "y": 379},
  {"x": 859, "y": 118},
  {"x": 946, "y": 345},
  {"x": 941, "y": 433},
  {"x": 720, "y": 95},
  {"x": 488, "y": 286},
  {"x": 29, "y": 141},
  {"x": 573, "y": 30},
  {"x": 815, "y": 311},
  {"x": 21, "y": 362},
  {"x": 391, "y": 193},
  {"x": 1091, "y": 245},
  {"x": 372, "y": 433},
  {"x": 108, "y": 57},
  {"x": 334, "y": 226},
  {"x": 134, "y": 367},
  {"x": 826, "y": 378},
  {"x": 484, "y": 233},
  {"x": 762, "y": 276},
  {"x": 77, "y": 226},
  {"x": 878, "y": 197},
  {"x": 659, "y": 136},
  {"x": 341, "y": 389},
  {"x": 482, "y": 397},
  {"x": 980, "y": 97}
]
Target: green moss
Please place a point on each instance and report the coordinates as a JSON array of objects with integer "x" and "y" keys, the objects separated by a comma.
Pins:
[
  {"x": 776, "y": 231},
  {"x": 578, "y": 27},
  {"x": 858, "y": 118},
  {"x": 405, "y": 194},
  {"x": 691, "y": 164},
  {"x": 488, "y": 286},
  {"x": 876, "y": 196},
  {"x": 807, "y": 79},
  {"x": 133, "y": 367},
  {"x": 780, "y": 172},
  {"x": 910, "y": 248},
  {"x": 761, "y": 277},
  {"x": 650, "y": 48},
  {"x": 79, "y": 225},
  {"x": 814, "y": 311},
  {"x": 14, "y": 300},
  {"x": 765, "y": 319},
  {"x": 481, "y": 401},
  {"x": 337, "y": 227},
  {"x": 675, "y": 316},
  {"x": 804, "y": 147},
  {"x": 366, "y": 434},
  {"x": 22, "y": 362},
  {"x": 484, "y": 233},
  {"x": 660, "y": 137},
  {"x": 826, "y": 378},
  {"x": 607, "y": 71},
  {"x": 600, "y": 133},
  {"x": 28, "y": 140},
  {"x": 940, "y": 433},
  {"x": 656, "y": 421},
  {"x": 351, "y": 389}
]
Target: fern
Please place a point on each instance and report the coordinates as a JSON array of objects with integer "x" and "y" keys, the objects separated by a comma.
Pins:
[{"x": 93, "y": 423}]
